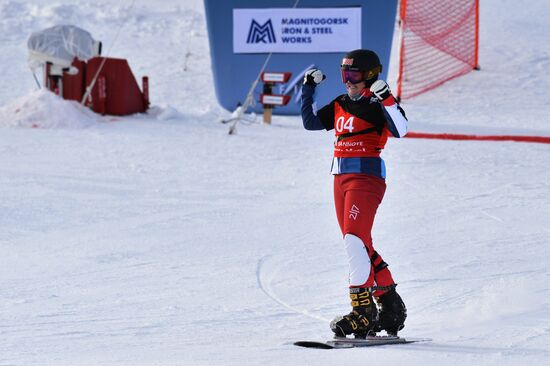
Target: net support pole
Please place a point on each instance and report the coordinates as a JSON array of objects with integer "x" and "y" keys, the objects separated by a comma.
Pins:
[
  {"x": 476, "y": 51},
  {"x": 402, "y": 13}
]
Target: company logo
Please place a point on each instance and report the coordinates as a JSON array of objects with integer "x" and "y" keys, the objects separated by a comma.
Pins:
[
  {"x": 354, "y": 212},
  {"x": 261, "y": 33}
]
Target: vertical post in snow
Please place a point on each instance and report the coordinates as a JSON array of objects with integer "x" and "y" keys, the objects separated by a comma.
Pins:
[{"x": 268, "y": 88}]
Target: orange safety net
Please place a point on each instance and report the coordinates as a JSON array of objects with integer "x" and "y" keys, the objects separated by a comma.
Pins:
[{"x": 439, "y": 42}]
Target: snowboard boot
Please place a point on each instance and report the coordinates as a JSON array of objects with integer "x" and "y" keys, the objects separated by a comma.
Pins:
[
  {"x": 363, "y": 317},
  {"x": 392, "y": 312}
]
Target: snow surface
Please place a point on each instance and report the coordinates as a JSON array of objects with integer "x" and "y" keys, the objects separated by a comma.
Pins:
[{"x": 161, "y": 240}]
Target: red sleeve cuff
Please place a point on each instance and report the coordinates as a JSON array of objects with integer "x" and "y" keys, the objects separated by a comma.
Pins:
[{"x": 389, "y": 101}]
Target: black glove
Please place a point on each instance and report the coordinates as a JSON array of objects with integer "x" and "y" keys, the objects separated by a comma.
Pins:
[{"x": 314, "y": 77}]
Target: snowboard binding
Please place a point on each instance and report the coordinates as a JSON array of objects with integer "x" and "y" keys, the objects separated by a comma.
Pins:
[{"x": 392, "y": 313}]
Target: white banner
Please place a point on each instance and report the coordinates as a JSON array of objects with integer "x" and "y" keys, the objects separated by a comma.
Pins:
[{"x": 296, "y": 30}]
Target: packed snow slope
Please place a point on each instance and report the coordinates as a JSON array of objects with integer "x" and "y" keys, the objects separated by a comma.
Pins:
[{"x": 161, "y": 240}]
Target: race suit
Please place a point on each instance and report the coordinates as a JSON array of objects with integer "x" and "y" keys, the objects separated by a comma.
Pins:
[{"x": 362, "y": 128}]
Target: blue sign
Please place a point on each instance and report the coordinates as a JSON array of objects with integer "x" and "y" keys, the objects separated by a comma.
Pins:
[{"x": 317, "y": 34}]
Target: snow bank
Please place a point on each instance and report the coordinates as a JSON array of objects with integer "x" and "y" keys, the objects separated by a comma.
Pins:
[
  {"x": 44, "y": 109},
  {"x": 164, "y": 113}
]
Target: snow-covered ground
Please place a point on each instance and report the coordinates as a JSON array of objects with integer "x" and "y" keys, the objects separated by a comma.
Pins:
[{"x": 162, "y": 240}]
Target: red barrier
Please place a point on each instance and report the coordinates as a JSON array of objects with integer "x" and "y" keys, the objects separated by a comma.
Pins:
[
  {"x": 439, "y": 41},
  {"x": 454, "y": 136}
]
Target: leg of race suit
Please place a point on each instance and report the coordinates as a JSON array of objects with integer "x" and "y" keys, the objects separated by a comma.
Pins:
[
  {"x": 357, "y": 197},
  {"x": 382, "y": 274}
]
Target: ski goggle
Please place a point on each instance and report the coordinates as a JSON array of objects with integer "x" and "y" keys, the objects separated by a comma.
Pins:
[{"x": 355, "y": 77}]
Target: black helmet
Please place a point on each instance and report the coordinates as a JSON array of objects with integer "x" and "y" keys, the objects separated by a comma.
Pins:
[{"x": 366, "y": 61}]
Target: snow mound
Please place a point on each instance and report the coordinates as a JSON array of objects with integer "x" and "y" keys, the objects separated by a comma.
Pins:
[
  {"x": 164, "y": 113},
  {"x": 44, "y": 109}
]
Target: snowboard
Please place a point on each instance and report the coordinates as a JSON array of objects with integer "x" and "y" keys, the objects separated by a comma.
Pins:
[{"x": 340, "y": 342}]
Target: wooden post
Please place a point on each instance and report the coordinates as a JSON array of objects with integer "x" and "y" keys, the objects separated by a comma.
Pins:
[
  {"x": 268, "y": 88},
  {"x": 267, "y": 114}
]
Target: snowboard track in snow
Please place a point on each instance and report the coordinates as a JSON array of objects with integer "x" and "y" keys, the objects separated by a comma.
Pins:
[{"x": 264, "y": 283}]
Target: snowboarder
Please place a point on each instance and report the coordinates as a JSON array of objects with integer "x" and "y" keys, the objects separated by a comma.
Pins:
[{"x": 362, "y": 120}]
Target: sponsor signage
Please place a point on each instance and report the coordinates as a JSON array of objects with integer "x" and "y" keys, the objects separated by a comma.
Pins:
[
  {"x": 284, "y": 30},
  {"x": 275, "y": 77},
  {"x": 273, "y": 99}
]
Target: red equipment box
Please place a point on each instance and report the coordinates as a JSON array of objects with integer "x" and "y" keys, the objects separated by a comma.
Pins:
[
  {"x": 74, "y": 85},
  {"x": 115, "y": 91}
]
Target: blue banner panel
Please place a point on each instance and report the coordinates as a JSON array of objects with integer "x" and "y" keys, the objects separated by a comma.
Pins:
[{"x": 317, "y": 33}]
